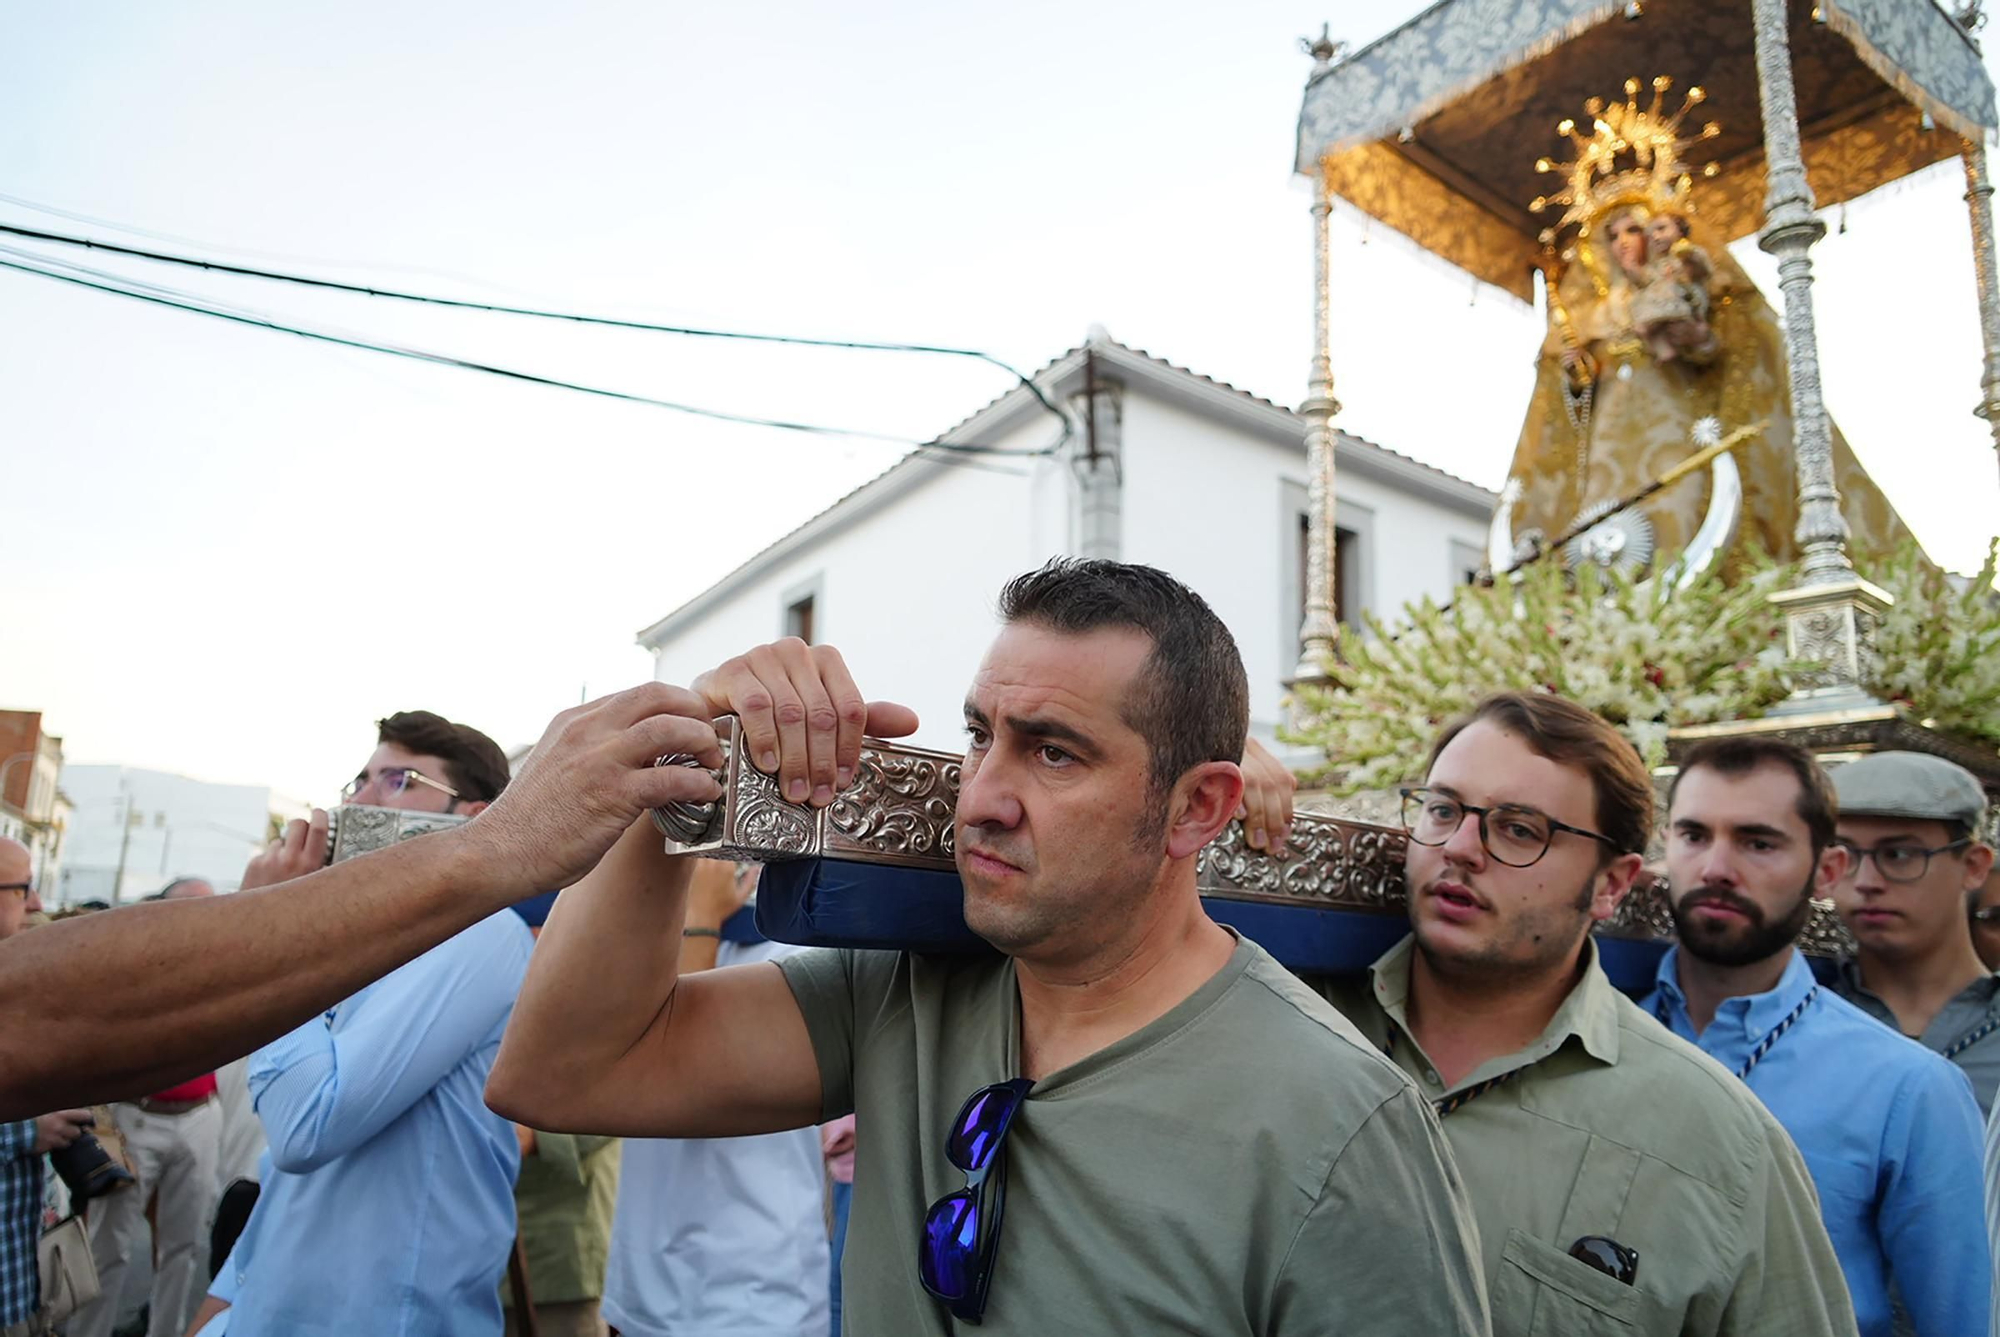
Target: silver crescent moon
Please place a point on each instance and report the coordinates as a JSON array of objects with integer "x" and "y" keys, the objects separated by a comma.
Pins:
[{"x": 1718, "y": 526}]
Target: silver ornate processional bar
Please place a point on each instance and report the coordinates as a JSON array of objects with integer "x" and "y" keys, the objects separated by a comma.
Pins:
[{"x": 901, "y": 810}]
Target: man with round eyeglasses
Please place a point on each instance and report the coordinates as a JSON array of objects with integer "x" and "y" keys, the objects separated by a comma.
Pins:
[
  {"x": 387, "y": 1201},
  {"x": 1910, "y": 823},
  {"x": 1621, "y": 1179}
]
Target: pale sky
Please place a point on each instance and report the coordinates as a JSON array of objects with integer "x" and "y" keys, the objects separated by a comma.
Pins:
[{"x": 230, "y": 550}]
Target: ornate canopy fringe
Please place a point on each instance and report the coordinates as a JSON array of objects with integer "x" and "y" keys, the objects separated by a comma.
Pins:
[{"x": 1434, "y": 128}]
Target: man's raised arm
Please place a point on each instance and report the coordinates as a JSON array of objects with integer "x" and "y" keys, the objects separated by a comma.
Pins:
[
  {"x": 116, "y": 1005},
  {"x": 606, "y": 1037}
]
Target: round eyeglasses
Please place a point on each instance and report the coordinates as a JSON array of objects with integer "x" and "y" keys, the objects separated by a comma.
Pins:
[
  {"x": 1512, "y": 833},
  {"x": 1896, "y": 863},
  {"x": 391, "y": 781}
]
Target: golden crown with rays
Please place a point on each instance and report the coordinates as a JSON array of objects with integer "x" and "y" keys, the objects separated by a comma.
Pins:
[{"x": 1632, "y": 155}]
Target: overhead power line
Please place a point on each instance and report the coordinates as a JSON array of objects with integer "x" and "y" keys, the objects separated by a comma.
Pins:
[
  {"x": 954, "y": 452},
  {"x": 536, "y": 313}
]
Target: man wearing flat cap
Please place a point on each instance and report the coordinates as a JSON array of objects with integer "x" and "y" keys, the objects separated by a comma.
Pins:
[{"x": 1911, "y": 824}]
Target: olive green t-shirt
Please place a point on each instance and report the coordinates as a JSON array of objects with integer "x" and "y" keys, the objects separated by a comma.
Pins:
[
  {"x": 1611, "y": 1125},
  {"x": 1244, "y": 1164}
]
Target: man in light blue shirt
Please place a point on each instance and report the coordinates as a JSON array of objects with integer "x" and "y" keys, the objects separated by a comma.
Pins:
[
  {"x": 388, "y": 1189},
  {"x": 1889, "y": 1130}
]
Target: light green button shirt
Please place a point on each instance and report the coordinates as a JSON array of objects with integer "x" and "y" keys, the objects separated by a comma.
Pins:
[
  {"x": 1612, "y": 1126},
  {"x": 564, "y": 1201}
]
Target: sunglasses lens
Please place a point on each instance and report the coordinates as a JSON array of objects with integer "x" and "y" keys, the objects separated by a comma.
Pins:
[
  {"x": 951, "y": 1246},
  {"x": 1606, "y": 1256},
  {"x": 980, "y": 1126}
]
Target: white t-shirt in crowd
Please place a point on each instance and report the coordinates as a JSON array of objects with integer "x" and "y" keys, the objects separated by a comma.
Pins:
[{"x": 720, "y": 1237}]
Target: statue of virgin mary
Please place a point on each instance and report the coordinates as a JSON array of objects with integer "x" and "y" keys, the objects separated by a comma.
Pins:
[{"x": 1650, "y": 333}]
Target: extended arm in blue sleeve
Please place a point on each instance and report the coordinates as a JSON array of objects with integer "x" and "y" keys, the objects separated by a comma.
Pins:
[{"x": 321, "y": 1092}]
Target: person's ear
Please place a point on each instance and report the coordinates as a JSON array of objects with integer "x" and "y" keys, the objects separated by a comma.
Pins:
[
  {"x": 1614, "y": 881},
  {"x": 1978, "y": 863},
  {"x": 1832, "y": 866},
  {"x": 1205, "y": 800},
  {"x": 472, "y": 807}
]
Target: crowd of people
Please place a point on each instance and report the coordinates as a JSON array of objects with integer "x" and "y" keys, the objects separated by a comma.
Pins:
[
  {"x": 348, "y": 1177},
  {"x": 484, "y": 1113}
]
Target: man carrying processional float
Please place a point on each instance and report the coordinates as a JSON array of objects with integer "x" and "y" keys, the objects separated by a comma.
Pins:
[{"x": 1649, "y": 334}]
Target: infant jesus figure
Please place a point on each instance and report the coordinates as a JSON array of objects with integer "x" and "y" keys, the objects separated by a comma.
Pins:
[{"x": 1670, "y": 310}]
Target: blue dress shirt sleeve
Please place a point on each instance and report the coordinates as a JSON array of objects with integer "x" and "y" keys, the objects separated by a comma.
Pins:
[
  {"x": 223, "y": 1287},
  {"x": 320, "y": 1091},
  {"x": 1933, "y": 1217},
  {"x": 17, "y": 1139},
  {"x": 1993, "y": 1205}
]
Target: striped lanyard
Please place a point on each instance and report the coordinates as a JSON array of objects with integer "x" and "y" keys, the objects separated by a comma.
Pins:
[
  {"x": 1972, "y": 1037},
  {"x": 1771, "y": 1037},
  {"x": 1452, "y": 1104}
]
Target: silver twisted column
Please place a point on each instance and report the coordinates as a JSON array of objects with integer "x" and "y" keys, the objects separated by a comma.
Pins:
[
  {"x": 1979, "y": 203},
  {"x": 1830, "y": 619},
  {"x": 1790, "y": 230},
  {"x": 1319, "y": 631}
]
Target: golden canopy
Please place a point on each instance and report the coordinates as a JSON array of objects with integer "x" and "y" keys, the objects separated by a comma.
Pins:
[{"x": 1434, "y": 129}]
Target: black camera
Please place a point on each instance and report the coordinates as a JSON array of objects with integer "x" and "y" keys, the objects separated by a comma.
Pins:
[{"x": 88, "y": 1169}]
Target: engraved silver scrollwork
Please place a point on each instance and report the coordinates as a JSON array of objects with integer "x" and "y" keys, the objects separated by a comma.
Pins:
[
  {"x": 1824, "y": 934},
  {"x": 901, "y": 804},
  {"x": 359, "y": 828},
  {"x": 1328, "y": 863},
  {"x": 766, "y": 822},
  {"x": 1644, "y": 913}
]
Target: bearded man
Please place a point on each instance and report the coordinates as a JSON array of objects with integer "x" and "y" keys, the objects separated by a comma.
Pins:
[{"x": 1889, "y": 1130}]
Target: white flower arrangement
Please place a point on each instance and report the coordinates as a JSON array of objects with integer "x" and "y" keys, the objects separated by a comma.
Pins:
[
  {"x": 1643, "y": 655},
  {"x": 1937, "y": 650}
]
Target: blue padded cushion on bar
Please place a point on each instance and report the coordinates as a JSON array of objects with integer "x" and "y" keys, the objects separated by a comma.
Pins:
[{"x": 831, "y": 903}]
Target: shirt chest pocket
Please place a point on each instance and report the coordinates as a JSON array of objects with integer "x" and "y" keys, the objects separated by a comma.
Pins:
[{"x": 1540, "y": 1291}]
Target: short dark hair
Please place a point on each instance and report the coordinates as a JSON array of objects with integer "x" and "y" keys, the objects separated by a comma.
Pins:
[
  {"x": 1817, "y": 806},
  {"x": 1569, "y": 735},
  {"x": 1191, "y": 699},
  {"x": 474, "y": 764}
]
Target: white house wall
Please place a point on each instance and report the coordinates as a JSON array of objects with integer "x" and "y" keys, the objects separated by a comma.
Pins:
[
  {"x": 179, "y": 828},
  {"x": 1204, "y": 500},
  {"x": 907, "y": 594},
  {"x": 905, "y": 588}
]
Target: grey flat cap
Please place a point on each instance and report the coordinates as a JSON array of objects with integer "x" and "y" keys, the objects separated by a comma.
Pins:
[{"x": 1915, "y": 785}]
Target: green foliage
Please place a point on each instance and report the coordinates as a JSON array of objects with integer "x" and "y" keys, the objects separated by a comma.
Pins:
[
  {"x": 1644, "y": 656},
  {"x": 1938, "y": 648},
  {"x": 1641, "y": 655}
]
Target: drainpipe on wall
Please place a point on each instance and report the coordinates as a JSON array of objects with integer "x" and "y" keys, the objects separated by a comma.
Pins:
[{"x": 1099, "y": 478}]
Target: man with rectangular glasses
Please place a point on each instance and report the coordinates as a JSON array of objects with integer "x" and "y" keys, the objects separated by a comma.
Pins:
[
  {"x": 1178, "y": 1135},
  {"x": 1749, "y": 842},
  {"x": 91, "y": 1017},
  {"x": 1621, "y": 1179},
  {"x": 387, "y": 1204},
  {"x": 1910, "y": 824}
]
